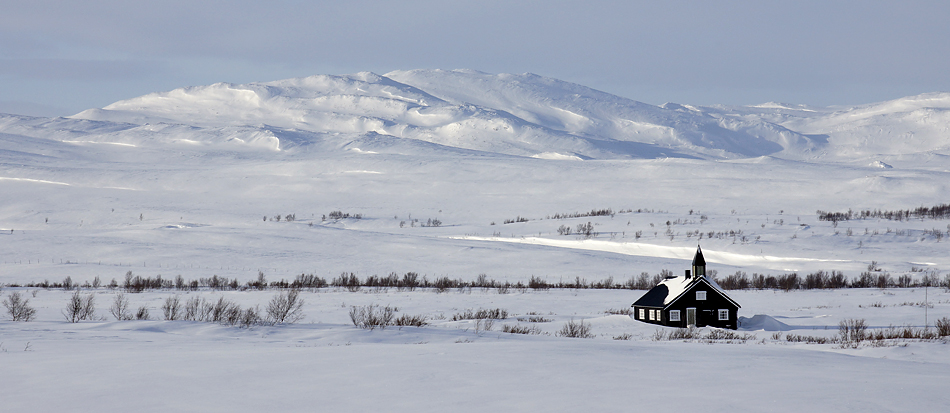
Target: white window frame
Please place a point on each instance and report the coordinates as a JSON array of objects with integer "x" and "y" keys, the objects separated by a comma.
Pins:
[
  {"x": 700, "y": 296},
  {"x": 643, "y": 315},
  {"x": 723, "y": 314},
  {"x": 674, "y": 315}
]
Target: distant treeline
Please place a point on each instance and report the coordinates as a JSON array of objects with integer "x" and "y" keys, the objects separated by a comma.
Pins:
[
  {"x": 829, "y": 280},
  {"x": 873, "y": 278},
  {"x": 941, "y": 211},
  {"x": 592, "y": 213}
]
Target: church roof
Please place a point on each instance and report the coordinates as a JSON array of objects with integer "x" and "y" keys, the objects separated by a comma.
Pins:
[{"x": 670, "y": 289}]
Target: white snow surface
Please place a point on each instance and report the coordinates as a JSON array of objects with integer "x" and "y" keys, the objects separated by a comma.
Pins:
[{"x": 190, "y": 182}]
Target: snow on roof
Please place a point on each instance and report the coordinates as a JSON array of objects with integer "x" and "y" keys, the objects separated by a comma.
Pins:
[{"x": 676, "y": 286}]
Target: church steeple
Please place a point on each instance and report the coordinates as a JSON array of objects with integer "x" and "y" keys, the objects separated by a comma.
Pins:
[{"x": 699, "y": 264}]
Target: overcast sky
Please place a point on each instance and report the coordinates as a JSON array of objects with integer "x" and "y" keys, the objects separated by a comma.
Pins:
[{"x": 61, "y": 57}]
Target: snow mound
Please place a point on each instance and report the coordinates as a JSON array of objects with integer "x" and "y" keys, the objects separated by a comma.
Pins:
[
  {"x": 880, "y": 164},
  {"x": 762, "y": 322}
]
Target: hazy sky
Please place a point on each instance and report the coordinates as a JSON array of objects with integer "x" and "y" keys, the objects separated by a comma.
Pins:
[{"x": 61, "y": 57}]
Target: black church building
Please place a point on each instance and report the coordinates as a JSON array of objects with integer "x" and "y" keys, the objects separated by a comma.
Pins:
[{"x": 690, "y": 300}]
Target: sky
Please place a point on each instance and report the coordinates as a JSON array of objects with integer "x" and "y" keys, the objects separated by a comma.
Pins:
[{"x": 58, "y": 58}]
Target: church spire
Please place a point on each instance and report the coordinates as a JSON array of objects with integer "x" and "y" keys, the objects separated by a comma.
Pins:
[{"x": 699, "y": 263}]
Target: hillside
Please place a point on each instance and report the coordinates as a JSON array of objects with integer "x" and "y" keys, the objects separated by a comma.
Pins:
[
  {"x": 524, "y": 115},
  {"x": 190, "y": 181}
]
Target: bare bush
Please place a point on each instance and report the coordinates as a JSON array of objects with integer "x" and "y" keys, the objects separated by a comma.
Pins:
[
  {"x": 19, "y": 307},
  {"x": 411, "y": 320},
  {"x": 795, "y": 338},
  {"x": 225, "y": 311},
  {"x": 120, "y": 308},
  {"x": 683, "y": 334},
  {"x": 172, "y": 308},
  {"x": 80, "y": 307},
  {"x": 534, "y": 319},
  {"x": 620, "y": 311},
  {"x": 905, "y": 333},
  {"x": 469, "y": 314},
  {"x": 371, "y": 317},
  {"x": 852, "y": 332},
  {"x": 575, "y": 330},
  {"x": 250, "y": 317},
  {"x": 624, "y": 336},
  {"x": 943, "y": 327},
  {"x": 519, "y": 329},
  {"x": 483, "y": 325},
  {"x": 193, "y": 309},
  {"x": 286, "y": 307},
  {"x": 142, "y": 313}
]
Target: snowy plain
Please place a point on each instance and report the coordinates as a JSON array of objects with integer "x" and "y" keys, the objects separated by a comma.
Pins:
[{"x": 189, "y": 182}]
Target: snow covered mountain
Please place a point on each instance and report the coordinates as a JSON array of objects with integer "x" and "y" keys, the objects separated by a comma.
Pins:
[{"x": 522, "y": 115}]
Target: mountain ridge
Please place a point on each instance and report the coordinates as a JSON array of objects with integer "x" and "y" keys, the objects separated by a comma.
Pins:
[{"x": 521, "y": 115}]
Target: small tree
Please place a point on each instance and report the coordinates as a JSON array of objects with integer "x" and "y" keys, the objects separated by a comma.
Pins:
[
  {"x": 587, "y": 230},
  {"x": 80, "y": 307},
  {"x": 172, "y": 308},
  {"x": 19, "y": 307},
  {"x": 120, "y": 308},
  {"x": 286, "y": 307}
]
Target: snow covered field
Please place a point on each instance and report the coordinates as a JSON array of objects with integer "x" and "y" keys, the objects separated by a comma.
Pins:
[
  {"x": 325, "y": 363},
  {"x": 191, "y": 183}
]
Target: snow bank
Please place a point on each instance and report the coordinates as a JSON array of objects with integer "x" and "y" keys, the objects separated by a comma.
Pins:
[{"x": 762, "y": 322}]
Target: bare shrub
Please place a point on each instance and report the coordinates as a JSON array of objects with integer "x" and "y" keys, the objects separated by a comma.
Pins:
[
  {"x": 621, "y": 311},
  {"x": 575, "y": 330},
  {"x": 411, "y": 320},
  {"x": 943, "y": 327},
  {"x": 852, "y": 332},
  {"x": 795, "y": 338},
  {"x": 483, "y": 325},
  {"x": 519, "y": 329},
  {"x": 726, "y": 336},
  {"x": 534, "y": 319},
  {"x": 683, "y": 334},
  {"x": 120, "y": 308},
  {"x": 80, "y": 307},
  {"x": 371, "y": 317},
  {"x": 172, "y": 308},
  {"x": 469, "y": 314},
  {"x": 250, "y": 317},
  {"x": 624, "y": 336},
  {"x": 286, "y": 307},
  {"x": 193, "y": 309},
  {"x": 19, "y": 307},
  {"x": 905, "y": 332},
  {"x": 142, "y": 313},
  {"x": 225, "y": 311}
]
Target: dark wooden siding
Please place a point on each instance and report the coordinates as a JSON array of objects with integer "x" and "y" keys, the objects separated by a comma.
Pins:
[{"x": 707, "y": 311}]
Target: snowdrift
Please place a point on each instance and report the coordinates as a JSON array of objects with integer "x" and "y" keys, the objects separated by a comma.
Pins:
[{"x": 762, "y": 322}]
